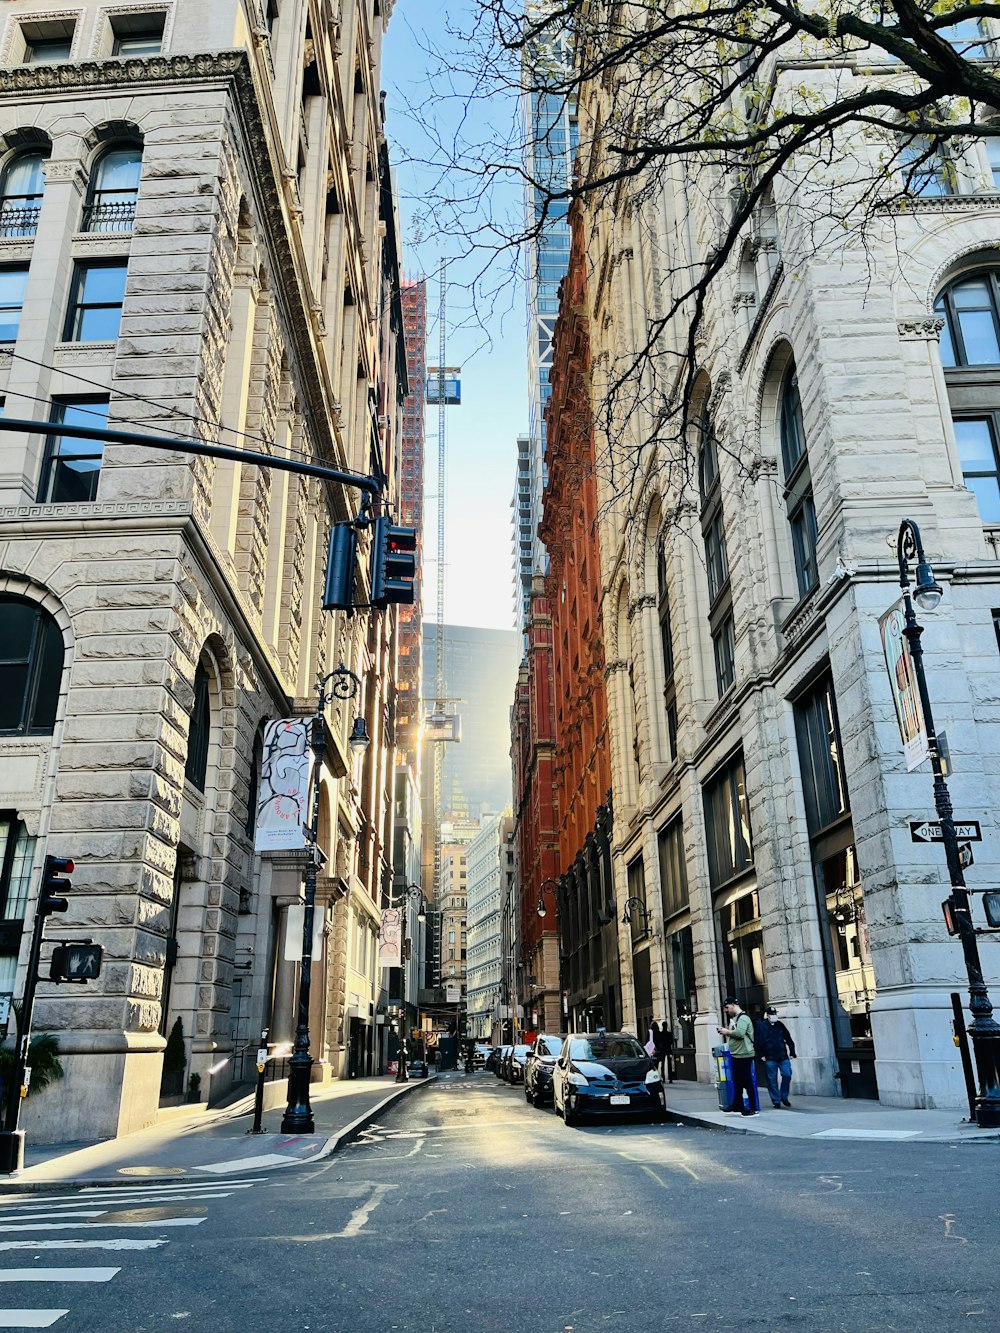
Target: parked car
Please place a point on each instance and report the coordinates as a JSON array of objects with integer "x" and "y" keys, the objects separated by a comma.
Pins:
[
  {"x": 502, "y": 1054},
  {"x": 417, "y": 1067},
  {"x": 480, "y": 1054},
  {"x": 515, "y": 1064},
  {"x": 538, "y": 1067},
  {"x": 492, "y": 1058},
  {"x": 606, "y": 1073}
]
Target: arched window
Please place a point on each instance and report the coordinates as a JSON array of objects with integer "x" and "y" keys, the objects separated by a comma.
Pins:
[
  {"x": 31, "y": 663},
  {"x": 971, "y": 337},
  {"x": 22, "y": 186},
  {"x": 799, "y": 504},
  {"x": 114, "y": 189},
  {"x": 713, "y": 531},
  {"x": 196, "y": 768}
]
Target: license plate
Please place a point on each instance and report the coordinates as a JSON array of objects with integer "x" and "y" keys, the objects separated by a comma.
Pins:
[{"x": 620, "y": 1101}]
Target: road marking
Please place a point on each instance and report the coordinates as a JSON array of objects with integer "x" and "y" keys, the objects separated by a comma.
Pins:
[
  {"x": 102, "y": 1193},
  {"x": 32, "y": 1217},
  {"x": 253, "y": 1163},
  {"x": 112, "y": 1243},
  {"x": 30, "y": 1318},
  {"x": 949, "y": 1228},
  {"x": 650, "y": 1172},
  {"x": 360, "y": 1216},
  {"x": 113, "y": 1226},
  {"x": 58, "y": 1274}
]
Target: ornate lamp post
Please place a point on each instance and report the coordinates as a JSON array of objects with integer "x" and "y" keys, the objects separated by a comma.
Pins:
[
  {"x": 636, "y": 905},
  {"x": 411, "y": 891},
  {"x": 984, "y": 1029},
  {"x": 338, "y": 684},
  {"x": 547, "y": 886}
]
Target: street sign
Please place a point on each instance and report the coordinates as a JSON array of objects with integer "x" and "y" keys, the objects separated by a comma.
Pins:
[
  {"x": 929, "y": 830},
  {"x": 965, "y": 857}
]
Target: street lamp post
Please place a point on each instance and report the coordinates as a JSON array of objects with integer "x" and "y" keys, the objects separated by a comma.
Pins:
[
  {"x": 411, "y": 891},
  {"x": 636, "y": 905},
  {"x": 984, "y": 1029},
  {"x": 551, "y": 886},
  {"x": 338, "y": 684}
]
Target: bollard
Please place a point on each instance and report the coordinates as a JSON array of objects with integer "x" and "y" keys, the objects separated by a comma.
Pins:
[{"x": 258, "y": 1101}]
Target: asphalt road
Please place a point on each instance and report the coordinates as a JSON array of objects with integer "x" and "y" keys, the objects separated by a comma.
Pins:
[{"x": 467, "y": 1211}]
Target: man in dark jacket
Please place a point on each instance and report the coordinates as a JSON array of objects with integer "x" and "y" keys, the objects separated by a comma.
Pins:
[{"x": 774, "y": 1046}]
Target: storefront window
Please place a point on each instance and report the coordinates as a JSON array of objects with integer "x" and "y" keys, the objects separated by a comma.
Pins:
[{"x": 742, "y": 945}]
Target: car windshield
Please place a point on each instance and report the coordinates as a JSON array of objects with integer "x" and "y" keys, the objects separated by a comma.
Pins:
[
  {"x": 605, "y": 1048},
  {"x": 521, "y": 1050},
  {"x": 550, "y": 1046}
]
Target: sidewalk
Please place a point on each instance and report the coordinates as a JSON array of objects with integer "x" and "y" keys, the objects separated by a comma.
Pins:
[
  {"x": 824, "y": 1118},
  {"x": 212, "y": 1143}
]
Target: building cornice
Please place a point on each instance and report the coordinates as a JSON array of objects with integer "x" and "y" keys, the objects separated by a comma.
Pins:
[{"x": 233, "y": 70}]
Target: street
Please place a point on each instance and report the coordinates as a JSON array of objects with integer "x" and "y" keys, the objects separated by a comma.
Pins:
[{"x": 465, "y": 1209}]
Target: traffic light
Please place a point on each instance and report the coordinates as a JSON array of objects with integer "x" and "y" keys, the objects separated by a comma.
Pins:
[
  {"x": 339, "y": 594},
  {"x": 991, "y": 905},
  {"x": 394, "y": 563},
  {"x": 76, "y": 962},
  {"x": 53, "y": 885}
]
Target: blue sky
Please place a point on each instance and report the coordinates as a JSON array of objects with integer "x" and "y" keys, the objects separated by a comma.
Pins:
[{"x": 486, "y": 318}]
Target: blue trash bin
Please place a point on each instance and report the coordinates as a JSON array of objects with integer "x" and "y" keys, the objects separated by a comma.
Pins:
[{"x": 724, "y": 1078}]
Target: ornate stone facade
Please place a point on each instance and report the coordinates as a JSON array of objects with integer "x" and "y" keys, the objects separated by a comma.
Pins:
[
  {"x": 760, "y": 793},
  {"x": 187, "y": 592}
]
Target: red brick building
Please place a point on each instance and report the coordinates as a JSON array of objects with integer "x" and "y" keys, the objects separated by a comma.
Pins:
[
  {"x": 537, "y": 979},
  {"x": 581, "y": 761}
]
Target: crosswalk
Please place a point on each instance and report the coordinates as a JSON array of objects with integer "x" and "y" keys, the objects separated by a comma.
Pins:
[{"x": 49, "y": 1230}]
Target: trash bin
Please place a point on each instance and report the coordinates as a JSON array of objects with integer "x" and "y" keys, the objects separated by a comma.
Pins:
[{"x": 723, "y": 1076}]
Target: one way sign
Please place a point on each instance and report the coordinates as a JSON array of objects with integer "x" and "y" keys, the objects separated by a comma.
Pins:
[{"x": 929, "y": 830}]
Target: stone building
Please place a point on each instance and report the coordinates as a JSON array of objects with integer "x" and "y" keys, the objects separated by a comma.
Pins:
[
  {"x": 485, "y": 858},
  {"x": 196, "y": 232},
  {"x": 537, "y": 973},
  {"x": 761, "y": 798}
]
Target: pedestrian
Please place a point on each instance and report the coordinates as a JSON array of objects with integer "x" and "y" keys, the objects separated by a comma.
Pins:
[
  {"x": 663, "y": 1039},
  {"x": 776, "y": 1048},
  {"x": 739, "y": 1036}
]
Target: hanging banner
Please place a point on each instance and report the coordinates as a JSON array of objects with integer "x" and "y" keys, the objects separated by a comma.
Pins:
[
  {"x": 390, "y": 943},
  {"x": 283, "y": 794},
  {"x": 903, "y": 683}
]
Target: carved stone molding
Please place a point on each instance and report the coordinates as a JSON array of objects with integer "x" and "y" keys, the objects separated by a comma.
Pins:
[
  {"x": 646, "y": 602},
  {"x": 920, "y": 330},
  {"x": 96, "y": 509},
  {"x": 948, "y": 203},
  {"x": 618, "y": 664}
]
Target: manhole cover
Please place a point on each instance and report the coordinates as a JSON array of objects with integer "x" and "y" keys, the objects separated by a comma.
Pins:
[{"x": 151, "y": 1171}]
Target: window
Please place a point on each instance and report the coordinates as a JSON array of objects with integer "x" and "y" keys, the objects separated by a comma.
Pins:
[
  {"x": 47, "y": 50},
  {"x": 12, "y": 282},
  {"x": 971, "y": 333},
  {"x": 17, "y": 859},
  {"x": 724, "y": 651},
  {"x": 95, "y": 308},
  {"x": 727, "y": 823},
  {"x": 21, "y": 188},
  {"x": 673, "y": 870},
  {"x": 196, "y": 768},
  {"x": 821, "y": 757},
  {"x": 31, "y": 663},
  {"x": 993, "y": 159},
  {"x": 637, "y": 889},
  {"x": 799, "y": 504},
  {"x": 713, "y": 531},
  {"x": 667, "y": 649},
  {"x": 72, "y": 466},
  {"x": 968, "y": 37},
  {"x": 926, "y": 167},
  {"x": 970, "y": 338},
  {"x": 138, "y": 34},
  {"x": 114, "y": 189}
]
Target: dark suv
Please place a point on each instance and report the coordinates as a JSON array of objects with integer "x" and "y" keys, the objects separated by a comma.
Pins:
[{"x": 539, "y": 1065}]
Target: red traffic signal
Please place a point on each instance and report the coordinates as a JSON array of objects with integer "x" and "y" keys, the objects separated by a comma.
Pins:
[
  {"x": 54, "y": 885},
  {"x": 394, "y": 563}
]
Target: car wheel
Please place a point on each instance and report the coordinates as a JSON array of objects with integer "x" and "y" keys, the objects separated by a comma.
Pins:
[{"x": 570, "y": 1114}]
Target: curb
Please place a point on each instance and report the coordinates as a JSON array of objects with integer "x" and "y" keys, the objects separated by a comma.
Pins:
[
  {"x": 344, "y": 1136},
  {"x": 696, "y": 1122},
  {"x": 332, "y": 1145}
]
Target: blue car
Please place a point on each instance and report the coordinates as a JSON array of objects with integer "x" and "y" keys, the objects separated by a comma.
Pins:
[{"x": 606, "y": 1073}]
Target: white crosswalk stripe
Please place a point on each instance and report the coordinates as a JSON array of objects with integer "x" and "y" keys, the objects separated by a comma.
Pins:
[{"x": 105, "y": 1218}]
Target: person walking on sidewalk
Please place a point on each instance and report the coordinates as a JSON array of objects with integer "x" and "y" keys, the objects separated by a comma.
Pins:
[
  {"x": 739, "y": 1035},
  {"x": 775, "y": 1046}
]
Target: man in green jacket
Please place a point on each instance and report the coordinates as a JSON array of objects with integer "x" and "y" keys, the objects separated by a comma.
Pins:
[{"x": 739, "y": 1035}]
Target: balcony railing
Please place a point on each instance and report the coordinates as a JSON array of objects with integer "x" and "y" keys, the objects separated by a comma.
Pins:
[
  {"x": 118, "y": 216},
  {"x": 19, "y": 219}
]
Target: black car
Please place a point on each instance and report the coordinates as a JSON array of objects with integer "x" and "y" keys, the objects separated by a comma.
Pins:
[
  {"x": 503, "y": 1055},
  {"x": 539, "y": 1066},
  {"x": 606, "y": 1073}
]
